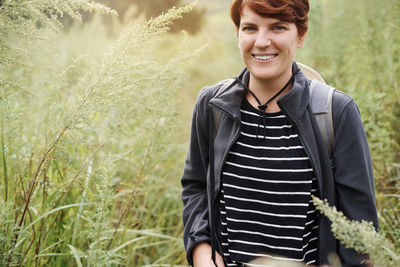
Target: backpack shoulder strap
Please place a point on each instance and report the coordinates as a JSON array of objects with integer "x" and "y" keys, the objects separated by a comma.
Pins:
[
  {"x": 217, "y": 114},
  {"x": 321, "y": 105}
]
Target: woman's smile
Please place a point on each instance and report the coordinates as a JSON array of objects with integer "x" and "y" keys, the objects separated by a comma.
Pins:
[{"x": 265, "y": 58}]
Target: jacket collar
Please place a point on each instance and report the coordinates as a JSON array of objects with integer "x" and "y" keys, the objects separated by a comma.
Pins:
[
  {"x": 230, "y": 99},
  {"x": 294, "y": 102}
]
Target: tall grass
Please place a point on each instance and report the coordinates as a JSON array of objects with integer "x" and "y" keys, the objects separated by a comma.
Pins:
[{"x": 84, "y": 140}]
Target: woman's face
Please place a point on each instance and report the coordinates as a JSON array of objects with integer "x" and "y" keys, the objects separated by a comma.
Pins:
[{"x": 268, "y": 46}]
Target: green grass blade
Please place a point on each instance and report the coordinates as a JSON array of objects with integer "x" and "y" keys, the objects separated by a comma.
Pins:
[
  {"x": 149, "y": 233},
  {"x": 55, "y": 210},
  {"x": 128, "y": 243},
  {"x": 75, "y": 253},
  {"x": 4, "y": 161},
  {"x": 51, "y": 246}
]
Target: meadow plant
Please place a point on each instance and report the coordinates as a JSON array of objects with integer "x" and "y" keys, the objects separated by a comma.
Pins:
[
  {"x": 361, "y": 236},
  {"x": 82, "y": 138},
  {"x": 20, "y": 19},
  {"x": 98, "y": 252}
]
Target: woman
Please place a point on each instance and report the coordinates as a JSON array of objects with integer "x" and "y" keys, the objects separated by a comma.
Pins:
[{"x": 269, "y": 156}]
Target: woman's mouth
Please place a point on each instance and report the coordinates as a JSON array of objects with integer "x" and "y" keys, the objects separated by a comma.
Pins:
[{"x": 265, "y": 57}]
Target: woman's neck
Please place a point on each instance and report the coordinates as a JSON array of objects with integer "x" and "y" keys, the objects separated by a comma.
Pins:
[{"x": 265, "y": 89}]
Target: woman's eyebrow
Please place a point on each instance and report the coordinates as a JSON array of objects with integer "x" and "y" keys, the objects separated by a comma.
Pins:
[
  {"x": 247, "y": 23},
  {"x": 279, "y": 23}
]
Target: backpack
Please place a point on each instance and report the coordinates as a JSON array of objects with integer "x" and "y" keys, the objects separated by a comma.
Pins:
[{"x": 321, "y": 105}]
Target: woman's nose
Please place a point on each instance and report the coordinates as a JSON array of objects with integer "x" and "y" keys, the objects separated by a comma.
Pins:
[{"x": 263, "y": 39}]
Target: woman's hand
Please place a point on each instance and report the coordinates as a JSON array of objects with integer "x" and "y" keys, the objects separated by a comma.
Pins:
[{"x": 202, "y": 256}]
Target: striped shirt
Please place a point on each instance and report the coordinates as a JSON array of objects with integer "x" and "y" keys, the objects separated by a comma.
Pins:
[{"x": 267, "y": 180}]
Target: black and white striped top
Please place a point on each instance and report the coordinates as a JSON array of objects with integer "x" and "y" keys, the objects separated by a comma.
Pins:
[{"x": 266, "y": 209}]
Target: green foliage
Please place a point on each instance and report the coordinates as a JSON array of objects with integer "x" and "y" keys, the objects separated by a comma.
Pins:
[
  {"x": 389, "y": 205},
  {"x": 19, "y": 19},
  {"x": 83, "y": 139},
  {"x": 7, "y": 233},
  {"x": 360, "y": 236},
  {"x": 356, "y": 49},
  {"x": 98, "y": 236}
]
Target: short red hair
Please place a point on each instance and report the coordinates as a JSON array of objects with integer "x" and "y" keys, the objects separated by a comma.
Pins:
[{"x": 292, "y": 11}]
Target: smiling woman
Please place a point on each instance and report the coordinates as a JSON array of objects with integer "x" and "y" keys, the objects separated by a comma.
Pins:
[
  {"x": 268, "y": 47},
  {"x": 247, "y": 185}
]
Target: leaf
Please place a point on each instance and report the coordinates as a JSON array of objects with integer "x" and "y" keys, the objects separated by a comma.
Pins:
[
  {"x": 76, "y": 253},
  {"x": 55, "y": 210},
  {"x": 127, "y": 243}
]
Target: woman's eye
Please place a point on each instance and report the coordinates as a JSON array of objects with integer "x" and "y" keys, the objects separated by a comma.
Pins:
[
  {"x": 248, "y": 28},
  {"x": 279, "y": 27}
]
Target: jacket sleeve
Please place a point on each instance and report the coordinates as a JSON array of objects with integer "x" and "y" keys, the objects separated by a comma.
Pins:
[
  {"x": 194, "y": 179},
  {"x": 354, "y": 180}
]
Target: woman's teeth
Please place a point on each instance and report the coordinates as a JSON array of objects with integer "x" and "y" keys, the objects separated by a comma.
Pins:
[{"x": 264, "y": 57}]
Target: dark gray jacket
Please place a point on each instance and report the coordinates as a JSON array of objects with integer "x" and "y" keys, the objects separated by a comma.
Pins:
[{"x": 349, "y": 186}]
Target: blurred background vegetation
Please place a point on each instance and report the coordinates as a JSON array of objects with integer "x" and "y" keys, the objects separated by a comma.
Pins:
[{"x": 95, "y": 112}]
